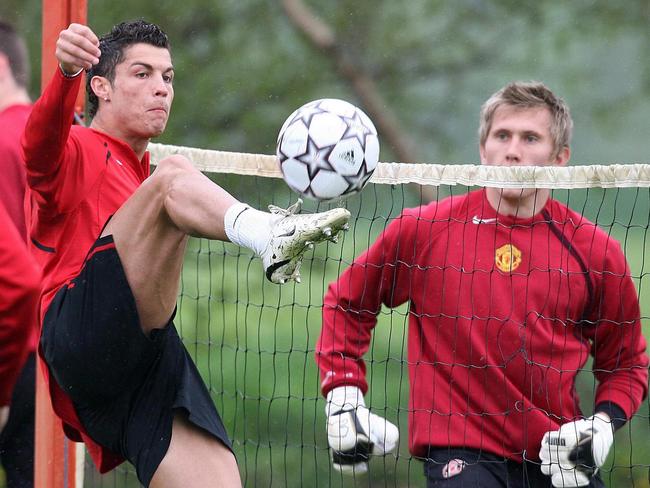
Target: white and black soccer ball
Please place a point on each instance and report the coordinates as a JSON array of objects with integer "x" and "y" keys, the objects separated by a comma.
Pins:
[{"x": 327, "y": 149}]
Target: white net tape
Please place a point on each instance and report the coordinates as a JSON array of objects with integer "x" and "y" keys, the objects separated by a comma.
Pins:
[{"x": 602, "y": 176}]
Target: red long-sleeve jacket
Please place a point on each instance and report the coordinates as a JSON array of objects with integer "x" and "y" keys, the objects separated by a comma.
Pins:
[
  {"x": 12, "y": 183},
  {"x": 503, "y": 314},
  {"x": 19, "y": 332},
  {"x": 19, "y": 287},
  {"x": 77, "y": 178}
]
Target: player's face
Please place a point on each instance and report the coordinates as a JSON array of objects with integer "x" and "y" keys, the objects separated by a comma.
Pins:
[
  {"x": 142, "y": 92},
  {"x": 521, "y": 137}
]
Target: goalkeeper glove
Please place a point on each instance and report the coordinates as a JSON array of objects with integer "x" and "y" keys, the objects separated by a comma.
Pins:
[
  {"x": 354, "y": 433},
  {"x": 573, "y": 454}
]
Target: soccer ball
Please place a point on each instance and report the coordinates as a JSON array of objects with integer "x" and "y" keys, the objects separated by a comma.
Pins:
[{"x": 327, "y": 149}]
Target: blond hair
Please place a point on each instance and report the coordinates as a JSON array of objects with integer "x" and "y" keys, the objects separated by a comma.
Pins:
[{"x": 530, "y": 94}]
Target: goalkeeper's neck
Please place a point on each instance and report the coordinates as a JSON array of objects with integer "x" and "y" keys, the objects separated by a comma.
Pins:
[{"x": 523, "y": 203}]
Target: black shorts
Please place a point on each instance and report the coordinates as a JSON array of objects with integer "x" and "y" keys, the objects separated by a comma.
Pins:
[
  {"x": 125, "y": 386},
  {"x": 468, "y": 468}
]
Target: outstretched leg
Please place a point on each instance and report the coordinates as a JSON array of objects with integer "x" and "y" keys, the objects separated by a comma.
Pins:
[{"x": 150, "y": 232}]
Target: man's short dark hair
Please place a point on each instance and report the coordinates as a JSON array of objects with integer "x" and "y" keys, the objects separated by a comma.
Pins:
[
  {"x": 13, "y": 46},
  {"x": 113, "y": 45}
]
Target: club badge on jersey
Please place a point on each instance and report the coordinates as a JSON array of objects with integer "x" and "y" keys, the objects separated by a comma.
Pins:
[{"x": 507, "y": 258}]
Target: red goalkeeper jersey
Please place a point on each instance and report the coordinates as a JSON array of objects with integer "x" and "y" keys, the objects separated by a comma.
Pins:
[
  {"x": 503, "y": 314},
  {"x": 77, "y": 179}
]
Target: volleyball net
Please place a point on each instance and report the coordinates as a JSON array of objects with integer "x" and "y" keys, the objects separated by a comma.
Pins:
[{"x": 254, "y": 341}]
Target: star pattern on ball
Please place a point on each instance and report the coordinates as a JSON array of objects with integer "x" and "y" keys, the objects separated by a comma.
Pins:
[
  {"x": 313, "y": 167},
  {"x": 282, "y": 156},
  {"x": 316, "y": 158},
  {"x": 356, "y": 128},
  {"x": 307, "y": 113},
  {"x": 358, "y": 181}
]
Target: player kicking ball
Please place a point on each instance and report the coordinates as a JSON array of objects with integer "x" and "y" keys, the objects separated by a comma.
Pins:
[{"x": 111, "y": 239}]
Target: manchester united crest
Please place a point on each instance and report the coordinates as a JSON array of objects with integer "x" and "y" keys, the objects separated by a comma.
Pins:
[{"x": 507, "y": 258}]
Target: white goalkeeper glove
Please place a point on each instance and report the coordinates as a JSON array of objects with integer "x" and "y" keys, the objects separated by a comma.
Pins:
[
  {"x": 573, "y": 454},
  {"x": 354, "y": 433}
]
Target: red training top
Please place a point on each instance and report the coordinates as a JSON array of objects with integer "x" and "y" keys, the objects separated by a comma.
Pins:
[
  {"x": 503, "y": 313},
  {"x": 77, "y": 178},
  {"x": 12, "y": 196},
  {"x": 19, "y": 287},
  {"x": 12, "y": 183}
]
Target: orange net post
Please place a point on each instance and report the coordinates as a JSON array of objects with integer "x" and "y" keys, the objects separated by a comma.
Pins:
[
  {"x": 56, "y": 458},
  {"x": 57, "y": 15}
]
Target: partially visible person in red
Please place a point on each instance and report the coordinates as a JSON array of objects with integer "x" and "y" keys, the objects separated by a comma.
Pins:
[
  {"x": 19, "y": 289},
  {"x": 18, "y": 331},
  {"x": 15, "y": 106}
]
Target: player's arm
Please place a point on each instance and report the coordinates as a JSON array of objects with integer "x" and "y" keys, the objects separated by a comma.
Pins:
[
  {"x": 349, "y": 316},
  {"x": 45, "y": 142},
  {"x": 19, "y": 287},
  {"x": 352, "y": 302},
  {"x": 618, "y": 345},
  {"x": 575, "y": 452}
]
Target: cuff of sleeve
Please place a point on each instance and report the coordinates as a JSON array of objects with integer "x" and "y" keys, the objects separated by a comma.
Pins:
[{"x": 616, "y": 413}]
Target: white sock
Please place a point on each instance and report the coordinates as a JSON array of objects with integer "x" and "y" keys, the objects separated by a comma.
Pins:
[{"x": 248, "y": 227}]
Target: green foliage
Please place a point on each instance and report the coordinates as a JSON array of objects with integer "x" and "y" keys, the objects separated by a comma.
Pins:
[
  {"x": 242, "y": 67},
  {"x": 25, "y": 16}
]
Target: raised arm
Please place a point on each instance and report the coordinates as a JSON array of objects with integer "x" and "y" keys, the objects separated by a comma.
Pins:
[{"x": 45, "y": 139}]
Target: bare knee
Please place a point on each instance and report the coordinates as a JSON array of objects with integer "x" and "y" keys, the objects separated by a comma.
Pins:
[
  {"x": 151, "y": 195},
  {"x": 169, "y": 170},
  {"x": 172, "y": 176}
]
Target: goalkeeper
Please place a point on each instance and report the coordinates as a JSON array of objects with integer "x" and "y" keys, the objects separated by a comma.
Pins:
[
  {"x": 509, "y": 293},
  {"x": 111, "y": 240}
]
